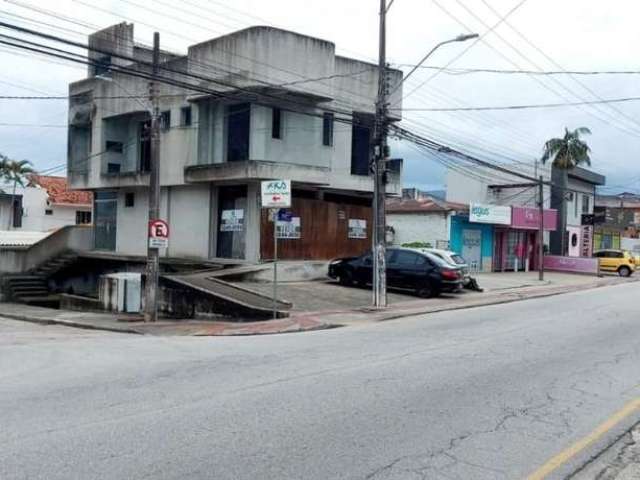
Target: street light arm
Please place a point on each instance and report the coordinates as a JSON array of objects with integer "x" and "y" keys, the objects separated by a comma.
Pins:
[{"x": 459, "y": 38}]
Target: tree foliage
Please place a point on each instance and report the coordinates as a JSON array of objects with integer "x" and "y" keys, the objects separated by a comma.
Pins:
[{"x": 569, "y": 151}]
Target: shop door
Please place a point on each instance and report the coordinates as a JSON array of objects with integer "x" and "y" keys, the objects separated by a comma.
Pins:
[
  {"x": 232, "y": 213},
  {"x": 471, "y": 248},
  {"x": 516, "y": 250},
  {"x": 105, "y": 216}
]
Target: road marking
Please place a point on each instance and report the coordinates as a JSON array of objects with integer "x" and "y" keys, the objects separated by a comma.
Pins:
[{"x": 580, "y": 445}]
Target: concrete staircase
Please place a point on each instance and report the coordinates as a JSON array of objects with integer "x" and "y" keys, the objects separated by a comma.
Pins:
[{"x": 32, "y": 288}]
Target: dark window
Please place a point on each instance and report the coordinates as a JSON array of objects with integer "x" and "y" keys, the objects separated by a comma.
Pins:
[
  {"x": 17, "y": 212},
  {"x": 102, "y": 65},
  {"x": 83, "y": 218},
  {"x": 458, "y": 259},
  {"x": 617, "y": 255},
  {"x": 367, "y": 260},
  {"x": 405, "y": 259},
  {"x": 238, "y": 122},
  {"x": 585, "y": 203},
  {"x": 327, "y": 129},
  {"x": 276, "y": 123},
  {"x": 598, "y": 254},
  {"x": 421, "y": 261},
  {"x": 145, "y": 146},
  {"x": 360, "y": 147},
  {"x": 165, "y": 120},
  {"x": 48, "y": 211},
  {"x": 129, "y": 199},
  {"x": 185, "y": 116},
  {"x": 112, "y": 146},
  {"x": 113, "y": 167}
]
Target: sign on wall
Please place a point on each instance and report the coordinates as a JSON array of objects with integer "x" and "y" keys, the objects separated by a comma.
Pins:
[
  {"x": 289, "y": 228},
  {"x": 587, "y": 241},
  {"x": 571, "y": 264},
  {"x": 276, "y": 194},
  {"x": 495, "y": 214},
  {"x": 357, "y": 228},
  {"x": 232, "y": 220}
]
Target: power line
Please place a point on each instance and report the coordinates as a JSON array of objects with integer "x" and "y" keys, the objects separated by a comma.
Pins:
[
  {"x": 522, "y": 107},
  {"x": 470, "y": 71}
]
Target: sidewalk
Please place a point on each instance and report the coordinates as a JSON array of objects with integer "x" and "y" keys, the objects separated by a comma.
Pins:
[{"x": 331, "y": 305}]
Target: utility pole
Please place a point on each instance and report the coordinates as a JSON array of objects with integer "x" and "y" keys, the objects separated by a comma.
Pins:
[
  {"x": 541, "y": 229},
  {"x": 380, "y": 154},
  {"x": 153, "y": 253}
]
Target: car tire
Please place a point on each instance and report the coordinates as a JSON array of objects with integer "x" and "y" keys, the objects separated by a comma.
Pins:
[
  {"x": 426, "y": 291},
  {"x": 346, "y": 278},
  {"x": 624, "y": 271}
]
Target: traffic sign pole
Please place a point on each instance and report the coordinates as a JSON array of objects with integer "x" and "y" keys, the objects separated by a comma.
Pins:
[{"x": 275, "y": 263}]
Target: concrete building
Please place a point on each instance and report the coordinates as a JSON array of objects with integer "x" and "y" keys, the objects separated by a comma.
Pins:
[
  {"x": 272, "y": 104},
  {"x": 500, "y": 230},
  {"x": 421, "y": 220},
  {"x": 617, "y": 217},
  {"x": 44, "y": 204},
  {"x": 574, "y": 236}
]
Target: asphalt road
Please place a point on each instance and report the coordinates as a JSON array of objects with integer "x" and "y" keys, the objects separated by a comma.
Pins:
[{"x": 486, "y": 393}]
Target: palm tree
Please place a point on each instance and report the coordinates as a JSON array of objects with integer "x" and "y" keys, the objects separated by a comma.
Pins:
[
  {"x": 14, "y": 171},
  {"x": 565, "y": 154},
  {"x": 569, "y": 151}
]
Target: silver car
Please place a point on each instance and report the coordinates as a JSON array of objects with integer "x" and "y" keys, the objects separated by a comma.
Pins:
[{"x": 452, "y": 258}]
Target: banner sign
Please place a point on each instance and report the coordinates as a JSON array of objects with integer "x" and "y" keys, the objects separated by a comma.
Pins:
[
  {"x": 495, "y": 214},
  {"x": 529, "y": 218},
  {"x": 571, "y": 264},
  {"x": 232, "y": 220},
  {"x": 357, "y": 228},
  {"x": 587, "y": 241},
  {"x": 289, "y": 228}
]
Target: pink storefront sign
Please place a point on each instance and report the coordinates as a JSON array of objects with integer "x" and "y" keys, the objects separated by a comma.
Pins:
[
  {"x": 529, "y": 218},
  {"x": 571, "y": 264}
]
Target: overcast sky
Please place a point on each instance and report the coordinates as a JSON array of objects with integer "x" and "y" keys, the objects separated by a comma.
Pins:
[{"x": 537, "y": 35}]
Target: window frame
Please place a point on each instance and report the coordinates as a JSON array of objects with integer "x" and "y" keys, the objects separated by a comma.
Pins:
[
  {"x": 186, "y": 116},
  {"x": 328, "y": 121},
  {"x": 129, "y": 199},
  {"x": 276, "y": 123},
  {"x": 165, "y": 120}
]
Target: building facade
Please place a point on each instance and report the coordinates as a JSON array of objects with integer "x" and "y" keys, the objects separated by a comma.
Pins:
[
  {"x": 44, "y": 204},
  {"x": 500, "y": 231},
  {"x": 616, "y": 217},
  {"x": 269, "y": 104}
]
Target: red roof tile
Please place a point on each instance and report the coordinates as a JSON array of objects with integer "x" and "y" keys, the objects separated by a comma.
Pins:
[
  {"x": 59, "y": 194},
  {"x": 426, "y": 204}
]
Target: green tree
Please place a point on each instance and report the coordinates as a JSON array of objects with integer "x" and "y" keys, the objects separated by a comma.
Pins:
[
  {"x": 14, "y": 172},
  {"x": 565, "y": 154},
  {"x": 569, "y": 151}
]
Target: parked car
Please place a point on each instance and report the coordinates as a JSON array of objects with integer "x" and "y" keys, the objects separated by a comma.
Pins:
[
  {"x": 411, "y": 269},
  {"x": 452, "y": 258},
  {"x": 619, "y": 261}
]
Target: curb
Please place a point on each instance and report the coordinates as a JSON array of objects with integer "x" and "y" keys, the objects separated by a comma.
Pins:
[{"x": 66, "y": 323}]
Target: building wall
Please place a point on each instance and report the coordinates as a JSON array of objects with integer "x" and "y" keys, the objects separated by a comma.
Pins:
[
  {"x": 190, "y": 218},
  {"x": 34, "y": 206},
  {"x": 419, "y": 227},
  {"x": 459, "y": 223},
  {"x": 574, "y": 206}
]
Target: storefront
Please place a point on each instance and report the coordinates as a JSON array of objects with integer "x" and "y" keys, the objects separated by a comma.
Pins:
[
  {"x": 473, "y": 240},
  {"x": 516, "y": 246}
]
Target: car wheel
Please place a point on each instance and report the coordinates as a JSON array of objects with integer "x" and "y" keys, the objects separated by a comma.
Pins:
[
  {"x": 624, "y": 271},
  {"x": 346, "y": 278},
  {"x": 425, "y": 291}
]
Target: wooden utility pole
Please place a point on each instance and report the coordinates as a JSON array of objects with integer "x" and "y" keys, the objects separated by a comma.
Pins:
[
  {"x": 380, "y": 155},
  {"x": 541, "y": 229},
  {"x": 153, "y": 253}
]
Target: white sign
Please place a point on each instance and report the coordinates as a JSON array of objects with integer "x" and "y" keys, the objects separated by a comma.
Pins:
[
  {"x": 158, "y": 242},
  {"x": 481, "y": 213},
  {"x": 232, "y": 220},
  {"x": 276, "y": 194},
  {"x": 289, "y": 229},
  {"x": 357, "y": 228}
]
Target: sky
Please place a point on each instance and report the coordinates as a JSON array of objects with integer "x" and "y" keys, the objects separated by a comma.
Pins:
[{"x": 537, "y": 35}]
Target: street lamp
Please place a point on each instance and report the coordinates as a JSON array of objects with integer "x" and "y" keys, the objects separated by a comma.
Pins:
[{"x": 460, "y": 38}]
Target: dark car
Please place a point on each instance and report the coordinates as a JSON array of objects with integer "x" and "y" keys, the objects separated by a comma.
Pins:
[{"x": 424, "y": 273}]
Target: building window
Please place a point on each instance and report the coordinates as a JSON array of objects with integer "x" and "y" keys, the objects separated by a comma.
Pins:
[
  {"x": 360, "y": 145},
  {"x": 116, "y": 147},
  {"x": 48, "y": 211},
  {"x": 576, "y": 199},
  {"x": 145, "y": 146},
  {"x": 129, "y": 199},
  {"x": 327, "y": 129},
  {"x": 17, "y": 212},
  {"x": 185, "y": 116},
  {"x": 585, "y": 203},
  {"x": 83, "y": 218},
  {"x": 102, "y": 65},
  {"x": 276, "y": 123},
  {"x": 165, "y": 120},
  {"x": 238, "y": 125}
]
